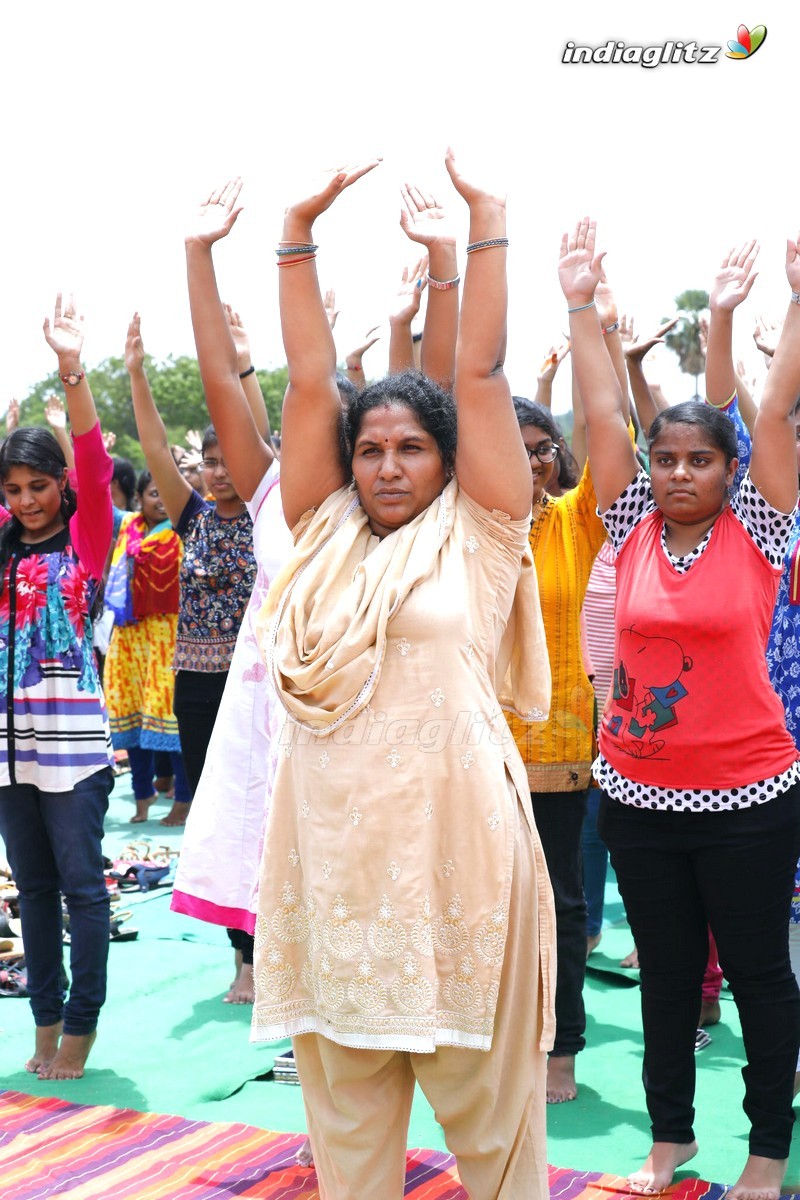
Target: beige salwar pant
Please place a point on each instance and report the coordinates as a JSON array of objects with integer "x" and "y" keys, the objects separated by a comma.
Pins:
[{"x": 491, "y": 1105}]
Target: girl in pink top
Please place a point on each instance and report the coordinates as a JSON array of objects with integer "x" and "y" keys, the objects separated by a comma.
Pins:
[{"x": 702, "y": 806}]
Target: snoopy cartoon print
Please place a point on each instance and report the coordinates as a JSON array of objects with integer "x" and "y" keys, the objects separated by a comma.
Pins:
[{"x": 647, "y": 690}]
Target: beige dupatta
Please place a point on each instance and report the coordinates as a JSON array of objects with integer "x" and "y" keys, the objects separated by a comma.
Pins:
[{"x": 323, "y": 627}]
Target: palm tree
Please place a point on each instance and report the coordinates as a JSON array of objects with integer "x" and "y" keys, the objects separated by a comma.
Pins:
[{"x": 685, "y": 338}]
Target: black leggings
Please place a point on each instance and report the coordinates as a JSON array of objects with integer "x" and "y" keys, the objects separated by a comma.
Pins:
[{"x": 678, "y": 873}]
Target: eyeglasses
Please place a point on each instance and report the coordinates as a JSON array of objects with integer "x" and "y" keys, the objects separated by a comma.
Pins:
[
  {"x": 546, "y": 452},
  {"x": 211, "y": 464}
]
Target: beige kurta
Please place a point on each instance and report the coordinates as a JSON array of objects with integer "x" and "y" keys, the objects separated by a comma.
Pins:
[{"x": 386, "y": 876}]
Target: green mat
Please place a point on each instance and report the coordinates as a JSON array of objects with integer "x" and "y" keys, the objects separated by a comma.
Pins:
[{"x": 168, "y": 1044}]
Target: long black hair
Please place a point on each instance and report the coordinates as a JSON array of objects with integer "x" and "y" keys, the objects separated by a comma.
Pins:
[{"x": 39, "y": 451}]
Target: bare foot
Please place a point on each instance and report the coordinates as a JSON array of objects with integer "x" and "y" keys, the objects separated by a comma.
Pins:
[
  {"x": 46, "y": 1046},
  {"x": 631, "y": 960},
  {"x": 177, "y": 814},
  {"x": 143, "y": 809},
  {"x": 710, "y": 1013},
  {"x": 163, "y": 783},
  {"x": 237, "y": 960},
  {"x": 71, "y": 1057},
  {"x": 659, "y": 1167},
  {"x": 761, "y": 1179},
  {"x": 561, "y": 1083},
  {"x": 592, "y": 942},
  {"x": 304, "y": 1156},
  {"x": 243, "y": 988}
]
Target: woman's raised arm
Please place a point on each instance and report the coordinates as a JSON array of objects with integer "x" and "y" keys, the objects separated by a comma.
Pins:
[
  {"x": 247, "y": 455},
  {"x": 311, "y": 466},
  {"x": 491, "y": 463},
  {"x": 611, "y": 453},
  {"x": 172, "y": 487}
]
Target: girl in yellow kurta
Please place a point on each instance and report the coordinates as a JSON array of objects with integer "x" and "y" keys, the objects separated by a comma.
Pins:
[{"x": 404, "y": 918}]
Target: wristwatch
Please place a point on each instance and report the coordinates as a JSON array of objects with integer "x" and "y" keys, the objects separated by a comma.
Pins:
[{"x": 73, "y": 378}]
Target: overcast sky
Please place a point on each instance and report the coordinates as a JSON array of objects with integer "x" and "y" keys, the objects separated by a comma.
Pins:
[{"x": 117, "y": 119}]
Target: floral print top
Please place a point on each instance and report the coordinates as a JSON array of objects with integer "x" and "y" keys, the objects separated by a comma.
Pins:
[
  {"x": 53, "y": 725},
  {"x": 217, "y": 576}
]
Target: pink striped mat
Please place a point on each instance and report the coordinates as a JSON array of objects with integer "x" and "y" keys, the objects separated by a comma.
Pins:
[{"x": 51, "y": 1148}]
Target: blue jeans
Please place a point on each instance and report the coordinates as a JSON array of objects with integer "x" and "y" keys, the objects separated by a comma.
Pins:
[
  {"x": 595, "y": 865},
  {"x": 53, "y": 841},
  {"x": 143, "y": 767}
]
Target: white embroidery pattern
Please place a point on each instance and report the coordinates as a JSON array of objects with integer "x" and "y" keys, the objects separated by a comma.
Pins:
[
  {"x": 324, "y": 759},
  {"x": 448, "y": 868},
  {"x": 393, "y": 870},
  {"x": 462, "y": 989},
  {"x": 437, "y": 697},
  {"x": 494, "y": 820},
  {"x": 470, "y": 649},
  {"x": 394, "y": 759},
  {"x": 428, "y": 809},
  {"x": 472, "y": 544},
  {"x": 290, "y": 921},
  {"x": 356, "y": 816},
  {"x": 328, "y": 989},
  {"x": 330, "y": 665},
  {"x": 304, "y": 810},
  {"x": 366, "y": 991},
  {"x": 489, "y": 941},
  {"x": 341, "y": 932},
  {"x": 294, "y": 858},
  {"x": 404, "y": 645},
  {"x": 275, "y": 976},
  {"x": 287, "y": 750},
  {"x": 386, "y": 936},
  {"x": 314, "y": 930},
  {"x": 467, "y": 760},
  {"x": 326, "y": 869},
  {"x": 450, "y": 935},
  {"x": 411, "y": 991},
  {"x": 422, "y": 930}
]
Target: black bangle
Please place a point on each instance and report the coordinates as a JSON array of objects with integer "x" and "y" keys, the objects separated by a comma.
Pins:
[{"x": 244, "y": 374}]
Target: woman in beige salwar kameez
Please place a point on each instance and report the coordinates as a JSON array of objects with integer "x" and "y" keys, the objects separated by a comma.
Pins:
[{"x": 405, "y": 924}]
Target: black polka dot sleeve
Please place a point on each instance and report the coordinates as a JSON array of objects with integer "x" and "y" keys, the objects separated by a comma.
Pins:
[
  {"x": 622, "y": 517},
  {"x": 769, "y": 529}
]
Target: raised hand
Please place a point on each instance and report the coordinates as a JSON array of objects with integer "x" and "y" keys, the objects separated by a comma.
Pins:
[
  {"x": 793, "y": 263},
  {"x": 109, "y": 440},
  {"x": 331, "y": 311},
  {"x": 409, "y": 294},
  {"x": 766, "y": 336},
  {"x": 735, "y": 277},
  {"x": 604, "y": 301},
  {"x": 12, "y": 415},
  {"x": 65, "y": 335},
  {"x": 469, "y": 191},
  {"x": 134, "y": 348},
  {"x": 240, "y": 338},
  {"x": 422, "y": 218},
  {"x": 553, "y": 360},
  {"x": 54, "y": 413},
  {"x": 324, "y": 191},
  {"x": 636, "y": 348},
  {"x": 580, "y": 269},
  {"x": 217, "y": 214}
]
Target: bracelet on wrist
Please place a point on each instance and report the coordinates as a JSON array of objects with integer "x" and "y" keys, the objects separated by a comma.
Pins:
[
  {"x": 354, "y": 367},
  {"x": 285, "y": 248},
  {"x": 72, "y": 378},
  {"x": 611, "y": 328},
  {"x": 250, "y": 371},
  {"x": 443, "y": 285},
  {"x": 795, "y": 297},
  {"x": 581, "y": 307},
  {"x": 489, "y": 244}
]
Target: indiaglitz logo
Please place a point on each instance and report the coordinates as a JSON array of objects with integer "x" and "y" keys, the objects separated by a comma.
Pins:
[
  {"x": 669, "y": 52},
  {"x": 747, "y": 42}
]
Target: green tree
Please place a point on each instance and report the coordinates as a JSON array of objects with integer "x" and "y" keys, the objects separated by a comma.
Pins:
[
  {"x": 685, "y": 339},
  {"x": 177, "y": 391}
]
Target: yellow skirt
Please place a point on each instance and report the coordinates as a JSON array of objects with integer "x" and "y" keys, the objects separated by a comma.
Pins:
[{"x": 139, "y": 683}]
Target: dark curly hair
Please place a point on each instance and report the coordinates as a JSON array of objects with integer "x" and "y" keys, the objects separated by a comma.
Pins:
[{"x": 433, "y": 407}]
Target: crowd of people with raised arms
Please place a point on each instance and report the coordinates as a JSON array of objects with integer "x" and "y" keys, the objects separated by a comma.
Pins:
[{"x": 413, "y": 671}]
